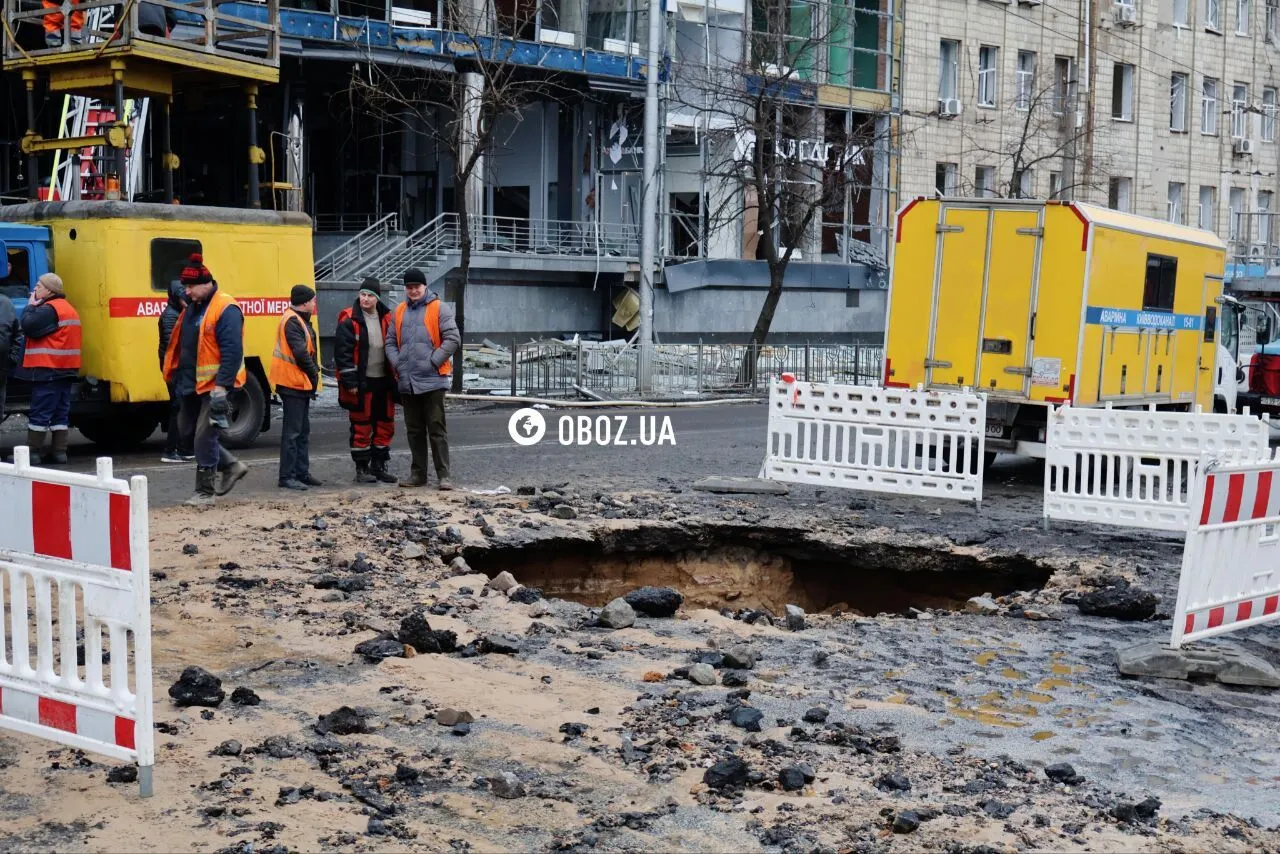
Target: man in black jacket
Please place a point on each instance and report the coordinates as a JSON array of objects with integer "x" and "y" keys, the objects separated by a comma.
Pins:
[
  {"x": 366, "y": 385},
  {"x": 10, "y": 337},
  {"x": 177, "y": 448},
  {"x": 296, "y": 377}
]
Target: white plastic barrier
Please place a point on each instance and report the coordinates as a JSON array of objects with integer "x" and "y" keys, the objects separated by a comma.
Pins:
[
  {"x": 1137, "y": 467},
  {"x": 75, "y": 563},
  {"x": 903, "y": 441},
  {"x": 1231, "y": 562}
]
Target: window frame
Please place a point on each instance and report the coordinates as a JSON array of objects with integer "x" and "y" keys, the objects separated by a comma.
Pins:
[
  {"x": 160, "y": 242},
  {"x": 1165, "y": 268}
]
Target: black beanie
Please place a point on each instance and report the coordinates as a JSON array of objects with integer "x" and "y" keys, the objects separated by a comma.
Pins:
[
  {"x": 414, "y": 276},
  {"x": 371, "y": 284},
  {"x": 301, "y": 294}
]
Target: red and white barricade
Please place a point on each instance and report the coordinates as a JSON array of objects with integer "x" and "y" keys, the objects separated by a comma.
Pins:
[
  {"x": 1231, "y": 562},
  {"x": 75, "y": 578}
]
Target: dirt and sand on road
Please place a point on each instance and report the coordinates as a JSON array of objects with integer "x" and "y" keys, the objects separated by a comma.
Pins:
[{"x": 893, "y": 715}]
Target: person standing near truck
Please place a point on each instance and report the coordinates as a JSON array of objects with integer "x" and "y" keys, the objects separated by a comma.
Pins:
[
  {"x": 421, "y": 341},
  {"x": 205, "y": 361},
  {"x": 366, "y": 388},
  {"x": 51, "y": 362},
  {"x": 10, "y": 338},
  {"x": 296, "y": 376},
  {"x": 176, "y": 450}
]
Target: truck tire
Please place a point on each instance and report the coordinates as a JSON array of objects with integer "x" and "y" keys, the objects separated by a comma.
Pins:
[
  {"x": 248, "y": 407},
  {"x": 118, "y": 432}
]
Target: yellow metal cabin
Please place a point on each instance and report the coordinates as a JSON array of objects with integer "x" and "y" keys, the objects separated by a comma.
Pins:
[
  {"x": 117, "y": 261},
  {"x": 1041, "y": 303}
]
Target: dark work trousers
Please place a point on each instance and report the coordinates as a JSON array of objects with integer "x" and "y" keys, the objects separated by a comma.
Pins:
[
  {"x": 374, "y": 424},
  {"x": 50, "y": 405},
  {"x": 174, "y": 440},
  {"x": 423, "y": 424},
  {"x": 295, "y": 435},
  {"x": 199, "y": 432}
]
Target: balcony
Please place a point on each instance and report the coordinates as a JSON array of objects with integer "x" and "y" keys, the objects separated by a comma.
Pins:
[{"x": 202, "y": 38}]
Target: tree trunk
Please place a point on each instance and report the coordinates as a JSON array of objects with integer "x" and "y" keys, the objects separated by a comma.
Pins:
[{"x": 747, "y": 371}]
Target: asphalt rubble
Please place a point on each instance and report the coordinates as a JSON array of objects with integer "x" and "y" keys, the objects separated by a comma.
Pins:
[{"x": 737, "y": 728}]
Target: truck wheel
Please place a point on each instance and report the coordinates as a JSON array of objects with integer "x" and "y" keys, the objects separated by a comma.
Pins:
[
  {"x": 248, "y": 406},
  {"x": 123, "y": 432}
]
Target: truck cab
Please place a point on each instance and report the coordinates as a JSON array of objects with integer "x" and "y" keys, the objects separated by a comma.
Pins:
[{"x": 24, "y": 257}]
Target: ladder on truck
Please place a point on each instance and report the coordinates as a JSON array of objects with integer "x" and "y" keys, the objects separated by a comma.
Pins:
[{"x": 83, "y": 116}]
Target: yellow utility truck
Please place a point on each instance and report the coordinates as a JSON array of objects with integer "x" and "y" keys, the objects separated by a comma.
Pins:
[
  {"x": 117, "y": 261},
  {"x": 1039, "y": 303}
]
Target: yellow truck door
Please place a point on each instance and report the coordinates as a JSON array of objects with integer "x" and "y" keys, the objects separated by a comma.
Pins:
[
  {"x": 1010, "y": 293},
  {"x": 956, "y": 315},
  {"x": 982, "y": 298}
]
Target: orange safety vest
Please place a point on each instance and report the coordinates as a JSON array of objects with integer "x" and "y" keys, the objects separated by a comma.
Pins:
[
  {"x": 53, "y": 20},
  {"x": 61, "y": 349},
  {"x": 284, "y": 368},
  {"x": 208, "y": 353},
  {"x": 431, "y": 318}
]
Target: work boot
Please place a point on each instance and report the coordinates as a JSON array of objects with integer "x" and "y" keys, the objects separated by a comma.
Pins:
[
  {"x": 445, "y": 485},
  {"x": 35, "y": 442},
  {"x": 293, "y": 483},
  {"x": 204, "y": 495},
  {"x": 362, "y": 472},
  {"x": 58, "y": 451},
  {"x": 379, "y": 468},
  {"x": 230, "y": 476},
  {"x": 309, "y": 479}
]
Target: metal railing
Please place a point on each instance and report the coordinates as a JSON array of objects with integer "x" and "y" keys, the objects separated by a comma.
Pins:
[
  {"x": 360, "y": 246},
  {"x": 202, "y": 27},
  {"x": 493, "y": 234},
  {"x": 331, "y": 222},
  {"x": 553, "y": 236},
  {"x": 419, "y": 249},
  {"x": 567, "y": 369},
  {"x": 1254, "y": 238}
]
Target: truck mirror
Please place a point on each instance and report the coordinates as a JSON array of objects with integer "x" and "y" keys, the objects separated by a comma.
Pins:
[{"x": 4, "y": 261}]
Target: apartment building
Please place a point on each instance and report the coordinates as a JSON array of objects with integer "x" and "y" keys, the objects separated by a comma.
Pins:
[{"x": 1165, "y": 108}]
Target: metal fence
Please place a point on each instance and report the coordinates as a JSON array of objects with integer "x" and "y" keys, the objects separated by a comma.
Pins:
[{"x": 573, "y": 369}]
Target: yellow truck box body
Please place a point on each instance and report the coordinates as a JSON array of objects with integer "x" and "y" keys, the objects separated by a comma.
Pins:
[
  {"x": 1049, "y": 303},
  {"x": 116, "y": 261}
]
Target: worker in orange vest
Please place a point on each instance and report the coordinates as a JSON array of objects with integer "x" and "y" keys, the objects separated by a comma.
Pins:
[
  {"x": 53, "y": 22},
  {"x": 421, "y": 340},
  {"x": 51, "y": 361},
  {"x": 205, "y": 361},
  {"x": 296, "y": 376}
]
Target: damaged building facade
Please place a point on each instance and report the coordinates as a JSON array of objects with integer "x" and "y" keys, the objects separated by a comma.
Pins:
[{"x": 362, "y": 133}]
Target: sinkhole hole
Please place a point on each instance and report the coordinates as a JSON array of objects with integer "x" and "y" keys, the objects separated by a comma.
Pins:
[{"x": 733, "y": 566}]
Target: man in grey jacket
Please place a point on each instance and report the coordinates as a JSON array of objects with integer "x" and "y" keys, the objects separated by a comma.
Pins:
[{"x": 421, "y": 341}]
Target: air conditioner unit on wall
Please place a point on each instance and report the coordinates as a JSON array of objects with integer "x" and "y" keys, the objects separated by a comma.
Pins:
[
  {"x": 1126, "y": 16},
  {"x": 1244, "y": 147},
  {"x": 949, "y": 106}
]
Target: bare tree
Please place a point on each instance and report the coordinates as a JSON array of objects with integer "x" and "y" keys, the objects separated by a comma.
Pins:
[
  {"x": 775, "y": 161},
  {"x": 1038, "y": 130},
  {"x": 459, "y": 108}
]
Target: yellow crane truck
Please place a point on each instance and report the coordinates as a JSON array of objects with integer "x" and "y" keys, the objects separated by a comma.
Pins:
[
  {"x": 117, "y": 261},
  {"x": 1038, "y": 304}
]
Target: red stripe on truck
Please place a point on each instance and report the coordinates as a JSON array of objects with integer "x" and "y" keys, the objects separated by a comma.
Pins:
[{"x": 154, "y": 306}]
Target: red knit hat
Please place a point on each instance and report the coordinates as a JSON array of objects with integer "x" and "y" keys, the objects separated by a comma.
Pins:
[{"x": 196, "y": 273}]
